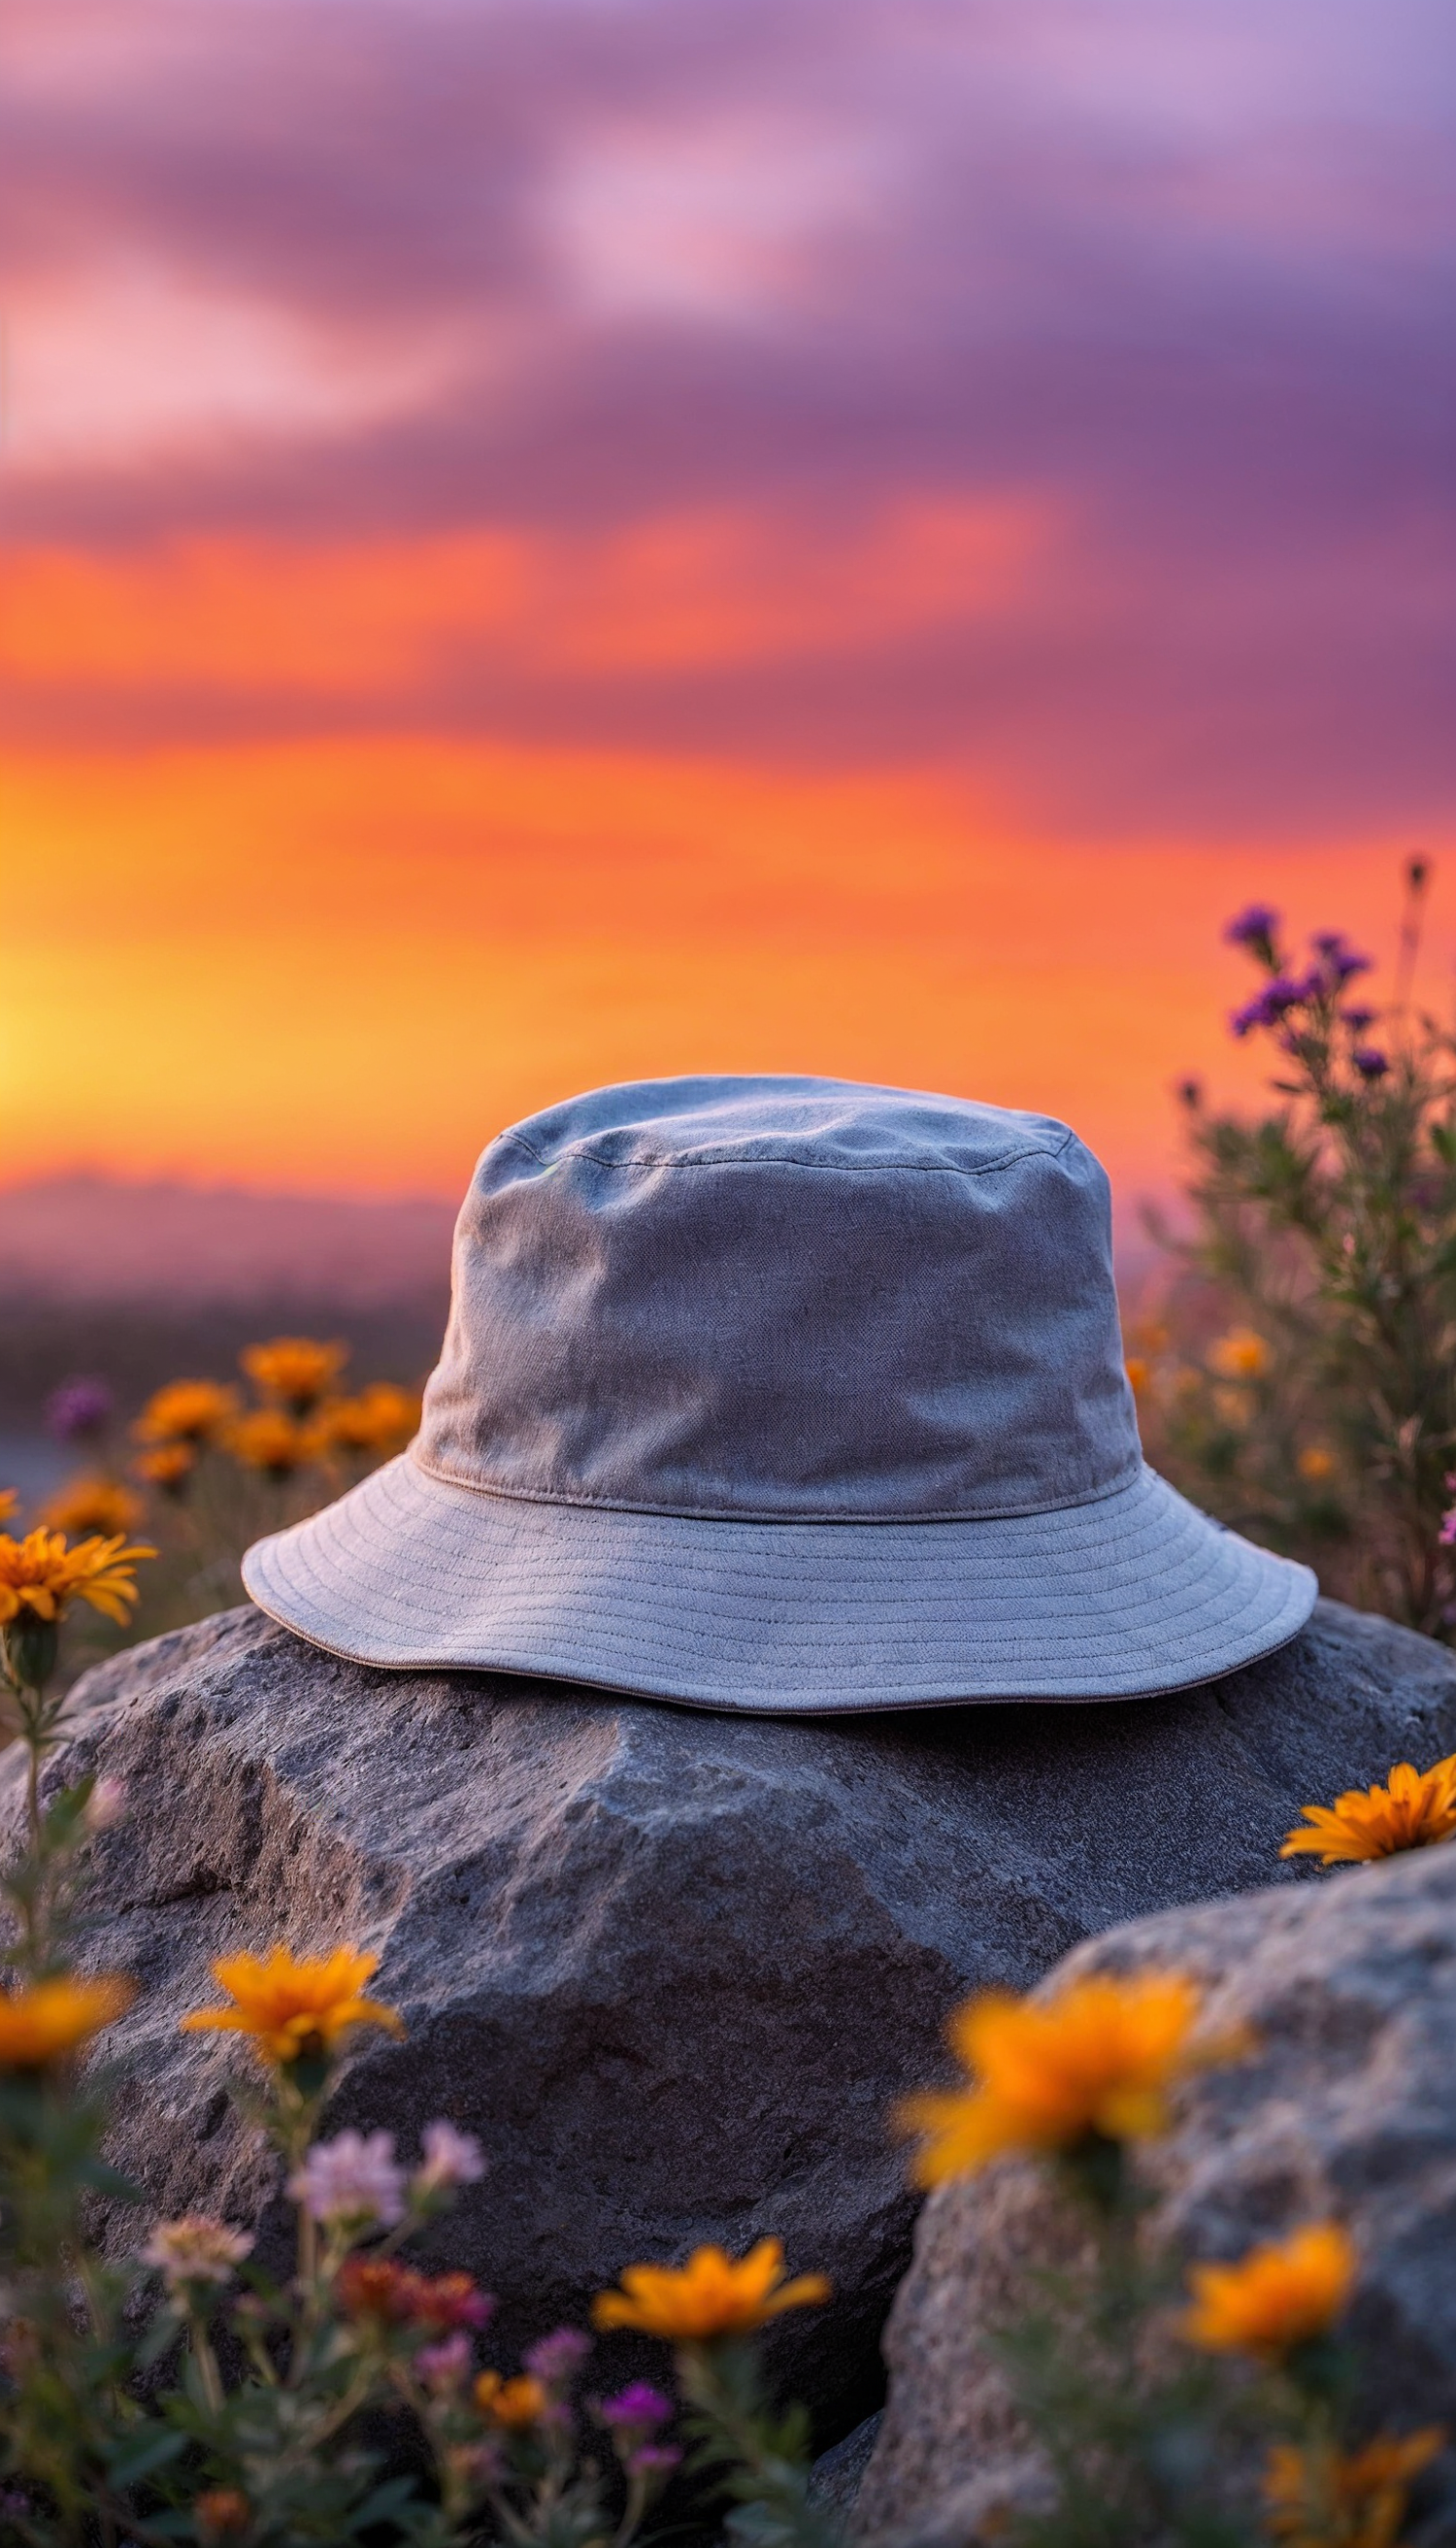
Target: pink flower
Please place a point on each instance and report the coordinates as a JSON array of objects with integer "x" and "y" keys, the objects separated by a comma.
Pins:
[
  {"x": 445, "y": 2366},
  {"x": 1447, "y": 1534},
  {"x": 654, "y": 2459},
  {"x": 555, "y": 2358},
  {"x": 451, "y": 2159},
  {"x": 639, "y": 2409},
  {"x": 353, "y": 2177}
]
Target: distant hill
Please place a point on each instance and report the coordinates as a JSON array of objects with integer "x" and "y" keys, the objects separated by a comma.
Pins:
[{"x": 89, "y": 1239}]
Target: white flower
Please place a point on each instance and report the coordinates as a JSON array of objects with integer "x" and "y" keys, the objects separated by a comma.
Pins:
[
  {"x": 351, "y": 2178},
  {"x": 195, "y": 2249},
  {"x": 451, "y": 2158}
]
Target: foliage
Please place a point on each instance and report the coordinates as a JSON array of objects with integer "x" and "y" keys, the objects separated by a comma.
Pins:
[
  {"x": 186, "y": 2394},
  {"x": 1322, "y": 1416}
]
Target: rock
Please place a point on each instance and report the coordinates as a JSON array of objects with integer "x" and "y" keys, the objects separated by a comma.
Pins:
[
  {"x": 1348, "y": 2108},
  {"x": 675, "y": 1969},
  {"x": 839, "y": 2473}
]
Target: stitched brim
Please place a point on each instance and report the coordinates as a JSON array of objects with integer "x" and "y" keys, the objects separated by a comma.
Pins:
[{"x": 1135, "y": 1594}]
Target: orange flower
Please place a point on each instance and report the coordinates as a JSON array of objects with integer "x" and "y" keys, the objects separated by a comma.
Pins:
[
  {"x": 169, "y": 1466},
  {"x": 39, "y": 1573},
  {"x": 381, "y": 1419},
  {"x": 1315, "y": 1464},
  {"x": 1276, "y": 2297},
  {"x": 186, "y": 1411},
  {"x": 294, "y": 2007},
  {"x": 44, "y": 2022},
  {"x": 512, "y": 2403},
  {"x": 221, "y": 2513},
  {"x": 1318, "y": 2498},
  {"x": 1241, "y": 1356},
  {"x": 1414, "y": 1810},
  {"x": 710, "y": 2296},
  {"x": 9, "y": 1498},
  {"x": 1099, "y": 2056},
  {"x": 270, "y": 1440},
  {"x": 92, "y": 1507},
  {"x": 1139, "y": 1373},
  {"x": 294, "y": 1371}
]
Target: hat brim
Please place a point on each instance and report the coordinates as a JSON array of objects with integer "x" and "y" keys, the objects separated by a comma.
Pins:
[{"x": 1131, "y": 1594}]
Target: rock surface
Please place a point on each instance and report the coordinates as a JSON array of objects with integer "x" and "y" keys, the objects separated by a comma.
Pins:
[
  {"x": 1348, "y": 2108},
  {"x": 675, "y": 1969}
]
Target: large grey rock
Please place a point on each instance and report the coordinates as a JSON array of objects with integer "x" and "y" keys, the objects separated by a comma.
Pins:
[
  {"x": 675, "y": 1969},
  {"x": 1349, "y": 2108}
]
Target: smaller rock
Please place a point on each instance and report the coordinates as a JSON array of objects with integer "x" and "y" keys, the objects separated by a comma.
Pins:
[
  {"x": 1348, "y": 2108},
  {"x": 838, "y": 2473}
]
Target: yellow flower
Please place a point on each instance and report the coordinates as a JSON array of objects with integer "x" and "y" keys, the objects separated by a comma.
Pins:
[
  {"x": 1315, "y": 1464},
  {"x": 1100, "y": 2056},
  {"x": 710, "y": 2296},
  {"x": 169, "y": 1466},
  {"x": 42, "y": 1574},
  {"x": 275, "y": 1443},
  {"x": 512, "y": 2403},
  {"x": 294, "y": 1370},
  {"x": 43, "y": 2023},
  {"x": 92, "y": 1507},
  {"x": 186, "y": 1411},
  {"x": 1276, "y": 2297},
  {"x": 294, "y": 2007},
  {"x": 1241, "y": 1356},
  {"x": 1336, "y": 2499},
  {"x": 1414, "y": 1810},
  {"x": 382, "y": 1419}
]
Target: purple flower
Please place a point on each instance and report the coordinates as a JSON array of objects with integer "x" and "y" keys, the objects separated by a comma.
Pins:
[
  {"x": 1370, "y": 1061},
  {"x": 1357, "y": 1020},
  {"x": 80, "y": 1410},
  {"x": 1338, "y": 960},
  {"x": 353, "y": 2177},
  {"x": 639, "y": 2408},
  {"x": 444, "y": 2366},
  {"x": 1268, "y": 1006},
  {"x": 1254, "y": 927},
  {"x": 451, "y": 2159},
  {"x": 1447, "y": 1532},
  {"x": 555, "y": 2358}
]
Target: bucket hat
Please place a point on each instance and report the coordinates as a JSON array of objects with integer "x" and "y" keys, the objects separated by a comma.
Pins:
[{"x": 790, "y": 1396}]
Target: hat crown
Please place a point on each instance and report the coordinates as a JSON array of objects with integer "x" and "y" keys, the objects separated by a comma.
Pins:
[{"x": 774, "y": 1299}]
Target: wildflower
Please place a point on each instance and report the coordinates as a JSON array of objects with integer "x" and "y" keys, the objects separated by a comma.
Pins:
[
  {"x": 9, "y": 1498},
  {"x": 195, "y": 2249},
  {"x": 274, "y": 1442},
  {"x": 93, "y": 1507},
  {"x": 1357, "y": 1020},
  {"x": 1241, "y": 1356},
  {"x": 1096, "y": 2060},
  {"x": 168, "y": 1467},
  {"x": 221, "y": 2513},
  {"x": 294, "y": 2007},
  {"x": 444, "y": 2366},
  {"x": 382, "y": 1419},
  {"x": 354, "y": 2178},
  {"x": 296, "y": 1371},
  {"x": 637, "y": 2408},
  {"x": 1139, "y": 1373},
  {"x": 1254, "y": 927},
  {"x": 44, "y": 2021},
  {"x": 1268, "y": 1007},
  {"x": 1276, "y": 2298},
  {"x": 556, "y": 2359},
  {"x": 396, "y": 2296},
  {"x": 451, "y": 2159},
  {"x": 1315, "y": 1464},
  {"x": 1414, "y": 1810},
  {"x": 42, "y": 1574},
  {"x": 710, "y": 2296},
  {"x": 1370, "y": 1061},
  {"x": 187, "y": 1410},
  {"x": 515, "y": 2403},
  {"x": 1446, "y": 1536},
  {"x": 653, "y": 2459},
  {"x": 80, "y": 1410},
  {"x": 450, "y": 2301},
  {"x": 1365, "y": 2492},
  {"x": 1338, "y": 960}
]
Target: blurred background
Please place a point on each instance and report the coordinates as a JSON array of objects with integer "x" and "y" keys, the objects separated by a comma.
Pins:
[{"x": 556, "y": 540}]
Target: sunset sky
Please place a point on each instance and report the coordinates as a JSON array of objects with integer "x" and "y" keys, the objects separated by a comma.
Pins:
[{"x": 557, "y": 540}]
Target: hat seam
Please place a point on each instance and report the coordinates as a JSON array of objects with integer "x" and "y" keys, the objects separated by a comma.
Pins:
[
  {"x": 832, "y": 1167},
  {"x": 1122, "y": 1484}
]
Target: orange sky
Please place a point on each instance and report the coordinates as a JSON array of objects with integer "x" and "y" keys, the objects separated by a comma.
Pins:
[{"x": 525, "y": 563}]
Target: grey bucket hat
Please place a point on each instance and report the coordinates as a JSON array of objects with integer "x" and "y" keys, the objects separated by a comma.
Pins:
[{"x": 789, "y": 1396}]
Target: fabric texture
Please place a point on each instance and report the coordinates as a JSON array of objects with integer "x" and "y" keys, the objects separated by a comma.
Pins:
[{"x": 789, "y": 1395}]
